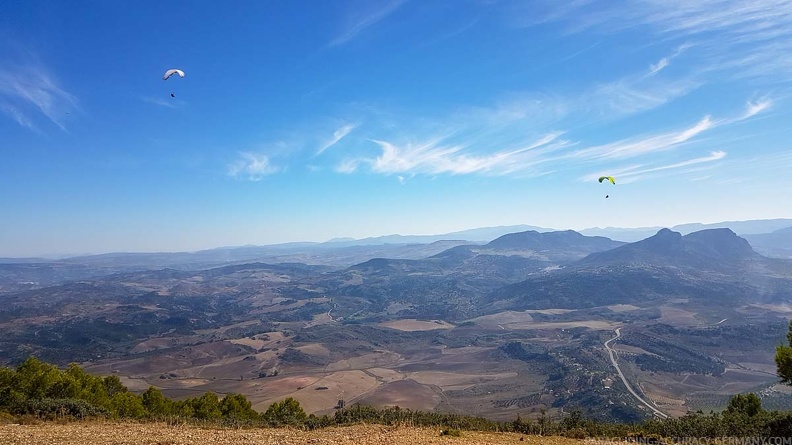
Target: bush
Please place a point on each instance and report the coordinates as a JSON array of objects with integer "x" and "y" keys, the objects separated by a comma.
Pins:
[
  {"x": 58, "y": 408},
  {"x": 156, "y": 404},
  {"x": 237, "y": 407},
  {"x": 286, "y": 412},
  {"x": 127, "y": 405},
  {"x": 576, "y": 433},
  {"x": 451, "y": 432},
  {"x": 313, "y": 422},
  {"x": 747, "y": 404},
  {"x": 206, "y": 407},
  {"x": 780, "y": 425},
  {"x": 6, "y": 418}
]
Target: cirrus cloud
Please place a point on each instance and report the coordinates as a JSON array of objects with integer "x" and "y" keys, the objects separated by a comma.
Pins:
[
  {"x": 28, "y": 89},
  {"x": 251, "y": 166}
]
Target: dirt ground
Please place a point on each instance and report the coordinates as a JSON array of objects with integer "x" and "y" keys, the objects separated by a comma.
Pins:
[{"x": 98, "y": 433}]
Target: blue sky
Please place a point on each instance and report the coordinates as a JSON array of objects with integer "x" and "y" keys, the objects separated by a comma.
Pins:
[{"x": 308, "y": 120}]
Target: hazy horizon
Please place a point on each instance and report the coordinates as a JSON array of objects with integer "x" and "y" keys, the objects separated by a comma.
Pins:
[
  {"x": 60, "y": 255},
  {"x": 307, "y": 121}
]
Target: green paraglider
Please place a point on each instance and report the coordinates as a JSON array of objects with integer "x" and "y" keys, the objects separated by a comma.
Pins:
[{"x": 609, "y": 178}]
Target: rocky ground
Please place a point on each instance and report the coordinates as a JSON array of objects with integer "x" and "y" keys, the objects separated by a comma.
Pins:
[{"x": 95, "y": 433}]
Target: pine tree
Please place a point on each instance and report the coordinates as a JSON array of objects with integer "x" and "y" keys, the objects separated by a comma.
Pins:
[
  {"x": 783, "y": 359},
  {"x": 155, "y": 403},
  {"x": 237, "y": 406},
  {"x": 286, "y": 412}
]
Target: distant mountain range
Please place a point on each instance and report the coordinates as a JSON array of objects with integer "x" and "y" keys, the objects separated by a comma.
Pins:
[
  {"x": 771, "y": 237},
  {"x": 482, "y": 234},
  {"x": 567, "y": 241},
  {"x": 776, "y": 244},
  {"x": 704, "y": 265},
  {"x": 705, "y": 249},
  {"x": 751, "y": 227}
]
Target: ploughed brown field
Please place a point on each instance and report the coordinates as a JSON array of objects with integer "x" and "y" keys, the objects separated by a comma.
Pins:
[{"x": 97, "y": 433}]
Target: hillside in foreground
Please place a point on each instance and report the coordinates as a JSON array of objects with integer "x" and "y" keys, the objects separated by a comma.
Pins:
[{"x": 98, "y": 433}]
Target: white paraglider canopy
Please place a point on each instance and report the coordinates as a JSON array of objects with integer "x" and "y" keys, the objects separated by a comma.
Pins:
[{"x": 172, "y": 72}]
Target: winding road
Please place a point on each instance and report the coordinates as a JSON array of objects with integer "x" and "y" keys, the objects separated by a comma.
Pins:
[{"x": 615, "y": 363}]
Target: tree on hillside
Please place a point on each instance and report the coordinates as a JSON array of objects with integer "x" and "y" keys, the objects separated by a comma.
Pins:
[
  {"x": 183, "y": 408},
  {"x": 783, "y": 359},
  {"x": 748, "y": 404},
  {"x": 286, "y": 412},
  {"x": 155, "y": 403},
  {"x": 113, "y": 385},
  {"x": 34, "y": 378},
  {"x": 90, "y": 388},
  {"x": 207, "y": 406},
  {"x": 128, "y": 405},
  {"x": 9, "y": 392},
  {"x": 237, "y": 406}
]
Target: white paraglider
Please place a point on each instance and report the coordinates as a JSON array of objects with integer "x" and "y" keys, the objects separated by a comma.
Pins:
[{"x": 172, "y": 72}]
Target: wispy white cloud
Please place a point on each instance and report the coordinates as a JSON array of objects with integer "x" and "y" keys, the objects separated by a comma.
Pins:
[
  {"x": 451, "y": 34},
  {"x": 251, "y": 166},
  {"x": 482, "y": 141},
  {"x": 434, "y": 157},
  {"x": 714, "y": 156},
  {"x": 754, "y": 108},
  {"x": 700, "y": 168},
  {"x": 347, "y": 166},
  {"x": 337, "y": 136},
  {"x": 769, "y": 164},
  {"x": 634, "y": 94},
  {"x": 533, "y": 109},
  {"x": 517, "y": 114},
  {"x": 701, "y": 126},
  {"x": 606, "y": 101},
  {"x": 751, "y": 37},
  {"x": 545, "y": 111},
  {"x": 615, "y": 172},
  {"x": 755, "y": 20},
  {"x": 360, "y": 24},
  {"x": 28, "y": 88},
  {"x": 17, "y": 115},
  {"x": 700, "y": 178},
  {"x": 731, "y": 181},
  {"x": 666, "y": 61},
  {"x": 580, "y": 51},
  {"x": 665, "y": 141},
  {"x": 158, "y": 101},
  {"x": 659, "y": 66},
  {"x": 627, "y": 95},
  {"x": 644, "y": 145},
  {"x": 633, "y": 173}
]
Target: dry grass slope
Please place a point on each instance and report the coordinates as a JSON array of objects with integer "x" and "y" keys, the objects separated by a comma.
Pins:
[{"x": 117, "y": 433}]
